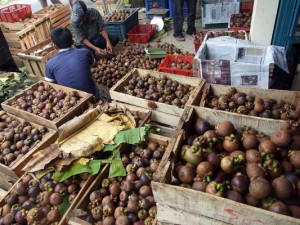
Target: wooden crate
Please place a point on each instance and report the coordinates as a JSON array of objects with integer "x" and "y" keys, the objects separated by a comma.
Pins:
[
  {"x": 81, "y": 106},
  {"x": 292, "y": 97},
  {"x": 75, "y": 201},
  {"x": 83, "y": 203},
  {"x": 21, "y": 36},
  {"x": 116, "y": 92},
  {"x": 178, "y": 205},
  {"x": 58, "y": 14},
  {"x": 36, "y": 64},
  {"x": 10, "y": 174}
]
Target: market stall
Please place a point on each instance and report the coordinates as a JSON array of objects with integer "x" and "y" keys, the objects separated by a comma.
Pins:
[{"x": 166, "y": 144}]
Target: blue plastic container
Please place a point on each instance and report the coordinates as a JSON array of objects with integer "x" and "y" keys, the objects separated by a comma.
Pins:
[{"x": 122, "y": 28}]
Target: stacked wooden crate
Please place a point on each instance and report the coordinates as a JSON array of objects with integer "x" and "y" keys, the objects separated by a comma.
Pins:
[
  {"x": 35, "y": 58},
  {"x": 24, "y": 35},
  {"x": 59, "y": 15}
]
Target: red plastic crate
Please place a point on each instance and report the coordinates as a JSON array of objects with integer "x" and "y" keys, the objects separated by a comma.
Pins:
[
  {"x": 164, "y": 66},
  {"x": 197, "y": 45},
  {"x": 247, "y": 7},
  {"x": 15, "y": 13},
  {"x": 141, "y": 33}
]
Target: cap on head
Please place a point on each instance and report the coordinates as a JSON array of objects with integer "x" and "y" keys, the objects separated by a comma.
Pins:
[{"x": 78, "y": 11}]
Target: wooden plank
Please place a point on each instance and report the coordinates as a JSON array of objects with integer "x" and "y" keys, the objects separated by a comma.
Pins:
[
  {"x": 216, "y": 207},
  {"x": 164, "y": 118},
  {"x": 171, "y": 215},
  {"x": 77, "y": 221},
  {"x": 63, "y": 23},
  {"x": 7, "y": 177},
  {"x": 28, "y": 67},
  {"x": 3, "y": 193},
  {"x": 81, "y": 106},
  {"x": 116, "y": 92},
  {"x": 36, "y": 69},
  {"x": 60, "y": 17}
]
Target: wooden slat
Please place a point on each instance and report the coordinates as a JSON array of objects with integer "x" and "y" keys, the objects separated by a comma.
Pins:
[
  {"x": 170, "y": 215},
  {"x": 215, "y": 207}
]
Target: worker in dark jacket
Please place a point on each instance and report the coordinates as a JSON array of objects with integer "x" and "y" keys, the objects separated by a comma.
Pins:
[
  {"x": 70, "y": 67},
  {"x": 87, "y": 26}
]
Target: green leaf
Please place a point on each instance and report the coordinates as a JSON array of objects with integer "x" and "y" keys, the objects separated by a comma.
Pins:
[
  {"x": 132, "y": 136},
  {"x": 92, "y": 167},
  {"x": 63, "y": 207},
  {"x": 116, "y": 168},
  {"x": 1, "y": 93},
  {"x": 42, "y": 173},
  {"x": 27, "y": 81}
]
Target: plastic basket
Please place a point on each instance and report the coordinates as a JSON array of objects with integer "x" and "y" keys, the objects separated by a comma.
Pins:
[
  {"x": 171, "y": 8},
  {"x": 122, "y": 28},
  {"x": 141, "y": 33},
  {"x": 15, "y": 13},
  {"x": 163, "y": 4},
  {"x": 164, "y": 66},
  {"x": 247, "y": 7}
]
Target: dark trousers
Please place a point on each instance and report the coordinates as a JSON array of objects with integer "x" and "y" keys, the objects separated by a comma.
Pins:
[{"x": 178, "y": 17}]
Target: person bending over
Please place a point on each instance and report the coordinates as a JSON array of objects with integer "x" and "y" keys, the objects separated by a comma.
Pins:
[
  {"x": 88, "y": 30},
  {"x": 70, "y": 67}
]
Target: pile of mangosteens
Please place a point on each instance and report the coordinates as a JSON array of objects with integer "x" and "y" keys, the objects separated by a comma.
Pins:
[
  {"x": 17, "y": 138},
  {"x": 240, "y": 20},
  {"x": 120, "y": 15},
  {"x": 199, "y": 37},
  {"x": 34, "y": 201},
  {"x": 128, "y": 200},
  {"x": 247, "y": 104},
  {"x": 160, "y": 89},
  {"x": 46, "y": 102},
  {"x": 180, "y": 64},
  {"x": 129, "y": 56},
  {"x": 245, "y": 166},
  {"x": 109, "y": 71}
]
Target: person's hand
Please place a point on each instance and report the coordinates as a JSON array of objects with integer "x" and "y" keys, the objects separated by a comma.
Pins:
[
  {"x": 100, "y": 52},
  {"x": 109, "y": 47}
]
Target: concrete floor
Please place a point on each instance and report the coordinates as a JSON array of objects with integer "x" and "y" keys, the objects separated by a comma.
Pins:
[{"x": 184, "y": 46}]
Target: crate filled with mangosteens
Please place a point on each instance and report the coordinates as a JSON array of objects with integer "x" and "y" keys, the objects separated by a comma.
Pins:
[
  {"x": 128, "y": 199},
  {"x": 163, "y": 92},
  {"x": 20, "y": 139},
  {"x": 48, "y": 104},
  {"x": 42, "y": 200},
  {"x": 206, "y": 34},
  {"x": 240, "y": 21},
  {"x": 228, "y": 169},
  {"x": 273, "y": 105}
]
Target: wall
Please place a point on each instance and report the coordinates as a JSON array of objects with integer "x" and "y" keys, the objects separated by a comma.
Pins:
[{"x": 263, "y": 21}]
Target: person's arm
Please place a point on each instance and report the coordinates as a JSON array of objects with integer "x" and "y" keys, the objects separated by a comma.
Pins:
[
  {"x": 109, "y": 46},
  {"x": 49, "y": 76},
  {"x": 97, "y": 50},
  {"x": 104, "y": 33}
]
